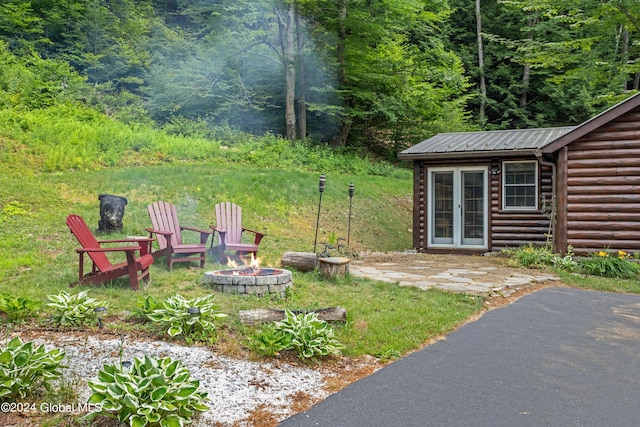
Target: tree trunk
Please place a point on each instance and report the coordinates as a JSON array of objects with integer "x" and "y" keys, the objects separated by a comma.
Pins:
[
  {"x": 340, "y": 137},
  {"x": 287, "y": 24},
  {"x": 333, "y": 266},
  {"x": 261, "y": 315},
  {"x": 624, "y": 60},
  {"x": 526, "y": 72},
  {"x": 302, "y": 80},
  {"x": 483, "y": 85}
]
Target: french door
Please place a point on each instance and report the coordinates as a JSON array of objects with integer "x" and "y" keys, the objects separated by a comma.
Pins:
[{"x": 458, "y": 207}]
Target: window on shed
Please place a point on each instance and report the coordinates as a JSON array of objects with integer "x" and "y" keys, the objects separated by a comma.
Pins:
[{"x": 520, "y": 185}]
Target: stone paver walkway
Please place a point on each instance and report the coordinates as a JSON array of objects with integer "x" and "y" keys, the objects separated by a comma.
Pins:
[{"x": 477, "y": 275}]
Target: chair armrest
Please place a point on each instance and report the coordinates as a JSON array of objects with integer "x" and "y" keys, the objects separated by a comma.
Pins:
[
  {"x": 128, "y": 240},
  {"x": 204, "y": 234},
  {"x": 146, "y": 243},
  {"x": 162, "y": 233},
  {"x": 166, "y": 235},
  {"x": 198, "y": 230},
  {"x": 258, "y": 234},
  {"x": 221, "y": 231},
  {"x": 253, "y": 231},
  {"x": 114, "y": 249}
]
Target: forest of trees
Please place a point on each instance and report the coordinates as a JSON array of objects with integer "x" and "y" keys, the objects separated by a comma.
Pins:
[{"x": 381, "y": 74}]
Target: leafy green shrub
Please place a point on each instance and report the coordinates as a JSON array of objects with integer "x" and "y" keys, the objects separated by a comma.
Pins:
[
  {"x": 305, "y": 333},
  {"x": 271, "y": 341},
  {"x": 25, "y": 369},
  {"x": 193, "y": 319},
  {"x": 146, "y": 305},
  {"x": 18, "y": 308},
  {"x": 74, "y": 310},
  {"x": 532, "y": 256},
  {"x": 565, "y": 263},
  {"x": 605, "y": 264},
  {"x": 151, "y": 392},
  {"x": 542, "y": 256}
]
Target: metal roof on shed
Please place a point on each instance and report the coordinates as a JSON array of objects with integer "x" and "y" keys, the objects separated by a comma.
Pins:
[{"x": 486, "y": 143}]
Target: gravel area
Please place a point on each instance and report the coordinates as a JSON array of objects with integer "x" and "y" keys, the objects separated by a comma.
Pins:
[{"x": 237, "y": 388}]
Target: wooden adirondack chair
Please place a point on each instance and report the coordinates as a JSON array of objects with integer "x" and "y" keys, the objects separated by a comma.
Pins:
[
  {"x": 230, "y": 229},
  {"x": 102, "y": 269},
  {"x": 168, "y": 231}
]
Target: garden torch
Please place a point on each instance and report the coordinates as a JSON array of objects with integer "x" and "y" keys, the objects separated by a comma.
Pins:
[
  {"x": 321, "y": 188},
  {"x": 352, "y": 189}
]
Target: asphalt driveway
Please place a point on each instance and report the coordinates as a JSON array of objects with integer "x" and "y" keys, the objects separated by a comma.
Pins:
[{"x": 556, "y": 357}]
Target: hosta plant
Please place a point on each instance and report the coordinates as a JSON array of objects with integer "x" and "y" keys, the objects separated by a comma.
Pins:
[
  {"x": 304, "y": 332},
  {"x": 194, "y": 319},
  {"x": 74, "y": 310},
  {"x": 150, "y": 392},
  {"x": 18, "y": 308},
  {"x": 26, "y": 369},
  {"x": 146, "y": 305}
]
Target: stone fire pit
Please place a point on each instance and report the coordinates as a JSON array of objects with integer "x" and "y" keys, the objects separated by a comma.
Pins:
[{"x": 249, "y": 280}]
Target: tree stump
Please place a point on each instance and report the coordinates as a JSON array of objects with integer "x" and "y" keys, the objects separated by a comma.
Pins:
[
  {"x": 333, "y": 266},
  {"x": 261, "y": 315},
  {"x": 301, "y": 261}
]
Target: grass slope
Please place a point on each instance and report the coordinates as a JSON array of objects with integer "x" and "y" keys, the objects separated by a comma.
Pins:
[{"x": 37, "y": 252}]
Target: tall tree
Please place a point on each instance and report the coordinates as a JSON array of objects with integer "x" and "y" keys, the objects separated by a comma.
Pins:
[
  {"x": 287, "y": 22},
  {"x": 483, "y": 84}
]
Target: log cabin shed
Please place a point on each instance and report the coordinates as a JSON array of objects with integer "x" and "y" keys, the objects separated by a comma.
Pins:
[{"x": 573, "y": 186}]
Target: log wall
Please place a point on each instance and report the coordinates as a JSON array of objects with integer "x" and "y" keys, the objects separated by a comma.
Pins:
[
  {"x": 512, "y": 228},
  {"x": 507, "y": 228},
  {"x": 603, "y": 187}
]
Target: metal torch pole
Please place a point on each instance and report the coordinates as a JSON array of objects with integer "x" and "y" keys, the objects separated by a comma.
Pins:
[
  {"x": 321, "y": 188},
  {"x": 352, "y": 189}
]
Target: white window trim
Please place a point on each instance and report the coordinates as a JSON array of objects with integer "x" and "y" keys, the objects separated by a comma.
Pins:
[{"x": 503, "y": 186}]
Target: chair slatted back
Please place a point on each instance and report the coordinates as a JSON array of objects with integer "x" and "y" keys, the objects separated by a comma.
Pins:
[
  {"x": 164, "y": 217},
  {"x": 87, "y": 240},
  {"x": 229, "y": 218}
]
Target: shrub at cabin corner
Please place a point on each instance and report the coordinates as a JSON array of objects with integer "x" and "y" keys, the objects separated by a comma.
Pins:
[{"x": 603, "y": 263}]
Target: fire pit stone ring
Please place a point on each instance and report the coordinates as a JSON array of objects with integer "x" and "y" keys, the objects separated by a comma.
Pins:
[{"x": 254, "y": 281}]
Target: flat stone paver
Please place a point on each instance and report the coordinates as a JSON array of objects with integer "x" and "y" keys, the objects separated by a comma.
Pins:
[{"x": 477, "y": 275}]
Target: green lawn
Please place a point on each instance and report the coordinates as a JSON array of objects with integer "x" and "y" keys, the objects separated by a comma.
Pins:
[{"x": 38, "y": 258}]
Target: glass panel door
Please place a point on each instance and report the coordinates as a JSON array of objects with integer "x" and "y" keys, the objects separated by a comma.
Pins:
[
  {"x": 473, "y": 208},
  {"x": 458, "y": 207},
  {"x": 443, "y": 215}
]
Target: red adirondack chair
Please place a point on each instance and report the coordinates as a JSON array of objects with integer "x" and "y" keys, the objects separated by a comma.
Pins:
[
  {"x": 102, "y": 269},
  {"x": 230, "y": 229},
  {"x": 168, "y": 231}
]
